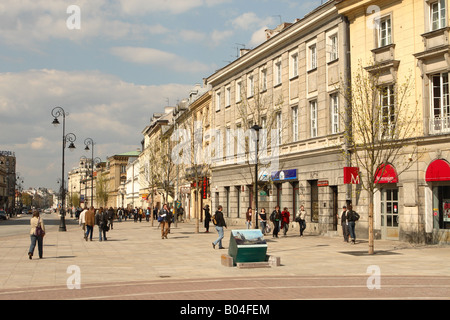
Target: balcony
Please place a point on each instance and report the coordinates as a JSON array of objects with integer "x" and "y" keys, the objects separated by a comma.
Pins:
[{"x": 440, "y": 125}]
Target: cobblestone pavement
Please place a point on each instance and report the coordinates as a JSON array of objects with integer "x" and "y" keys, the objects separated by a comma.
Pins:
[{"x": 135, "y": 263}]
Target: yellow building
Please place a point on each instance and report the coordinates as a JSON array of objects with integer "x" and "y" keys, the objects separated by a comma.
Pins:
[{"x": 399, "y": 40}]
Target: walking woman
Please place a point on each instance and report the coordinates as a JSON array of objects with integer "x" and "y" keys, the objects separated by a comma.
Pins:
[
  {"x": 37, "y": 233},
  {"x": 248, "y": 218}
]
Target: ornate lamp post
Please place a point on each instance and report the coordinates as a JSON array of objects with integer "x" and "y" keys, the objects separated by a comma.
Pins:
[
  {"x": 256, "y": 128},
  {"x": 70, "y": 138},
  {"x": 94, "y": 162}
]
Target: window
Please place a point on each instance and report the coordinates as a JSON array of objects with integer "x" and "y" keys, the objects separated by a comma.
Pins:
[
  {"x": 238, "y": 90},
  {"x": 294, "y": 124},
  {"x": 263, "y": 122},
  {"x": 264, "y": 80},
  {"x": 279, "y": 127},
  {"x": 437, "y": 13},
  {"x": 228, "y": 142},
  {"x": 387, "y": 112},
  {"x": 313, "y": 115},
  {"x": 312, "y": 57},
  {"x": 277, "y": 73},
  {"x": 384, "y": 32},
  {"x": 227, "y": 97},
  {"x": 333, "y": 47},
  {"x": 294, "y": 65},
  {"x": 334, "y": 105},
  {"x": 250, "y": 86},
  {"x": 440, "y": 102},
  {"x": 217, "y": 101}
]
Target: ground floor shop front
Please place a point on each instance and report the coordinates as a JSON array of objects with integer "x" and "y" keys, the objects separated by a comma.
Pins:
[{"x": 413, "y": 206}]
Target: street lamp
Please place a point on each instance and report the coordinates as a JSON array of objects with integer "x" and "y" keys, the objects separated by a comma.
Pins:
[
  {"x": 70, "y": 138},
  {"x": 94, "y": 162},
  {"x": 256, "y": 128}
]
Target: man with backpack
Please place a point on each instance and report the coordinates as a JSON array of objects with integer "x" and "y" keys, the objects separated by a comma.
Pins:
[
  {"x": 352, "y": 217},
  {"x": 219, "y": 222}
]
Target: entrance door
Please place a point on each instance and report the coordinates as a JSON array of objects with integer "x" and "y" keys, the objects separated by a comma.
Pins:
[
  {"x": 334, "y": 210},
  {"x": 389, "y": 214}
]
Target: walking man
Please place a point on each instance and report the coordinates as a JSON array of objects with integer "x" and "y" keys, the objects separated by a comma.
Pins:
[
  {"x": 90, "y": 221},
  {"x": 344, "y": 223},
  {"x": 219, "y": 222},
  {"x": 352, "y": 217}
]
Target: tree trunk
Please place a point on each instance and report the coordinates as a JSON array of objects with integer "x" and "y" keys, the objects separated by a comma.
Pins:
[{"x": 371, "y": 238}]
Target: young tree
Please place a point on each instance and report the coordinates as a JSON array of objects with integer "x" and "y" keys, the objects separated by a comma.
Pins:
[
  {"x": 259, "y": 108},
  {"x": 381, "y": 124}
]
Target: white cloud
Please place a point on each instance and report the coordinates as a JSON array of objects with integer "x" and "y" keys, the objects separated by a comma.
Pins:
[
  {"x": 140, "y": 7},
  {"x": 159, "y": 58},
  {"x": 100, "y": 106}
]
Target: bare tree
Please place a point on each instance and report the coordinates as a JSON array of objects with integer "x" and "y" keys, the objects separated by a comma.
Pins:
[
  {"x": 380, "y": 127},
  {"x": 264, "y": 110}
]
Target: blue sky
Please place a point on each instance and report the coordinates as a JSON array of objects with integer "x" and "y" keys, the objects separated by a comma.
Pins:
[{"x": 128, "y": 59}]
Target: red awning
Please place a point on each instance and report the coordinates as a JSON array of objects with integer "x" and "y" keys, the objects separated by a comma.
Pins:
[
  {"x": 438, "y": 170},
  {"x": 386, "y": 174}
]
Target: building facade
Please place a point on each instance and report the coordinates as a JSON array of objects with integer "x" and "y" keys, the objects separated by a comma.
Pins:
[
  {"x": 409, "y": 40},
  {"x": 289, "y": 87}
]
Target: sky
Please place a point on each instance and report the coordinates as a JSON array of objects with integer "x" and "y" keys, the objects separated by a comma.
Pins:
[{"x": 112, "y": 64}]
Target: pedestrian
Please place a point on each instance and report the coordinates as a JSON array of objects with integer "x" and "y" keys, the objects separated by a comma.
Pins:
[
  {"x": 263, "y": 220},
  {"x": 111, "y": 215},
  {"x": 37, "y": 233},
  {"x": 120, "y": 214},
  {"x": 101, "y": 221},
  {"x": 275, "y": 218},
  {"x": 135, "y": 214},
  {"x": 219, "y": 222},
  {"x": 248, "y": 218},
  {"x": 90, "y": 222},
  {"x": 301, "y": 219},
  {"x": 141, "y": 214},
  {"x": 344, "y": 223},
  {"x": 207, "y": 217},
  {"x": 164, "y": 218},
  {"x": 352, "y": 217},
  {"x": 82, "y": 220},
  {"x": 285, "y": 217},
  {"x": 147, "y": 214}
]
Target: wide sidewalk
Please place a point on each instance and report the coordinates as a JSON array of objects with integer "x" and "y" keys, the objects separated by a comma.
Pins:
[{"x": 136, "y": 252}]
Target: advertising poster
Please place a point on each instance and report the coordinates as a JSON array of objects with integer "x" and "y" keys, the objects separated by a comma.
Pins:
[{"x": 446, "y": 213}]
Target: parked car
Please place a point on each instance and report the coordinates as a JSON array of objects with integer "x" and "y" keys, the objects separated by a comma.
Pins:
[
  {"x": 48, "y": 211},
  {"x": 3, "y": 215}
]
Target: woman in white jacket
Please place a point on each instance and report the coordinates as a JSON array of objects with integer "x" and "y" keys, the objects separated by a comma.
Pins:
[{"x": 37, "y": 233}]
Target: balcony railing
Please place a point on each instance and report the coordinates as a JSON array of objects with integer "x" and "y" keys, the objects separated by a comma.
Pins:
[{"x": 440, "y": 125}]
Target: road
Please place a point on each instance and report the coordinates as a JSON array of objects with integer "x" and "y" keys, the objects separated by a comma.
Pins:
[{"x": 136, "y": 264}]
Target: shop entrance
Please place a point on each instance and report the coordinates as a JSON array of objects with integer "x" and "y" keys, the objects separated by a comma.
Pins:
[
  {"x": 441, "y": 207},
  {"x": 389, "y": 214}
]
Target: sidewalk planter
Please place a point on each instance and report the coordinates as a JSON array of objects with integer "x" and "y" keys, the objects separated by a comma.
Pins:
[{"x": 247, "y": 246}]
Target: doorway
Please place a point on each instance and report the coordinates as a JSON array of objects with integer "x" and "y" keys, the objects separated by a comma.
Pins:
[{"x": 389, "y": 214}]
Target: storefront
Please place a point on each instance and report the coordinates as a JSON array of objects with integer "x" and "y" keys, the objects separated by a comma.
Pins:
[
  {"x": 438, "y": 178},
  {"x": 386, "y": 178}
]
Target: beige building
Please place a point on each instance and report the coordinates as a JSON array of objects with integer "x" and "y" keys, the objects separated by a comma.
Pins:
[
  {"x": 401, "y": 40},
  {"x": 289, "y": 86}
]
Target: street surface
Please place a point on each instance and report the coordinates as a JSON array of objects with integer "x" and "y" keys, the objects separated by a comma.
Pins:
[{"x": 135, "y": 263}]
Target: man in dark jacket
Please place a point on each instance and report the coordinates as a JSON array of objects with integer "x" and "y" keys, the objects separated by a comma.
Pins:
[
  {"x": 352, "y": 217},
  {"x": 219, "y": 222},
  {"x": 101, "y": 220}
]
